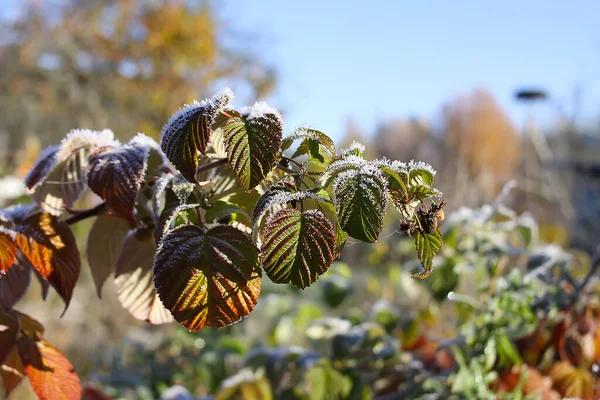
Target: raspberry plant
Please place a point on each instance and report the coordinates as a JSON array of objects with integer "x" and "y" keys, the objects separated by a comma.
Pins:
[{"x": 188, "y": 226}]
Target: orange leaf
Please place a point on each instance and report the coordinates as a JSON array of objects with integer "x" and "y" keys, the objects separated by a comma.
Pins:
[
  {"x": 51, "y": 375},
  {"x": 207, "y": 278},
  {"x": 571, "y": 381},
  {"x": 8, "y": 251},
  {"x": 50, "y": 246}
]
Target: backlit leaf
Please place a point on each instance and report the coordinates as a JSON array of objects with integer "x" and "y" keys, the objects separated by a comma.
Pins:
[
  {"x": 103, "y": 247},
  {"x": 8, "y": 250},
  {"x": 361, "y": 200},
  {"x": 253, "y": 142},
  {"x": 59, "y": 176},
  {"x": 116, "y": 174},
  {"x": 133, "y": 278},
  {"x": 207, "y": 278},
  {"x": 9, "y": 328},
  {"x": 297, "y": 246},
  {"x": 12, "y": 370},
  {"x": 14, "y": 284},
  {"x": 50, "y": 246},
  {"x": 428, "y": 245},
  {"x": 51, "y": 375},
  {"x": 188, "y": 132},
  {"x": 306, "y": 133},
  {"x": 274, "y": 199}
]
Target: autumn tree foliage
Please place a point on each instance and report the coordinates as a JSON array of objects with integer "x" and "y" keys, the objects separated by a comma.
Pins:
[
  {"x": 125, "y": 64},
  {"x": 189, "y": 225}
]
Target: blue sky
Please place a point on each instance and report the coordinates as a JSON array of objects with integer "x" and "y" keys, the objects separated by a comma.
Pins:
[{"x": 372, "y": 60}]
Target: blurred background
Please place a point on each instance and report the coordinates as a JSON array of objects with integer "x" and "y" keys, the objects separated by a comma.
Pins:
[{"x": 486, "y": 92}]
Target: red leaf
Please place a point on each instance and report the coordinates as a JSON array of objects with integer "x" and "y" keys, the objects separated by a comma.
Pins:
[
  {"x": 50, "y": 246},
  {"x": 116, "y": 173},
  {"x": 8, "y": 251},
  {"x": 51, "y": 375}
]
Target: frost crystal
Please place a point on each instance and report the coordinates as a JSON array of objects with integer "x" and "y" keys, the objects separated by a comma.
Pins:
[
  {"x": 78, "y": 138},
  {"x": 220, "y": 100},
  {"x": 260, "y": 110},
  {"x": 304, "y": 132},
  {"x": 354, "y": 149},
  {"x": 42, "y": 167},
  {"x": 420, "y": 165}
]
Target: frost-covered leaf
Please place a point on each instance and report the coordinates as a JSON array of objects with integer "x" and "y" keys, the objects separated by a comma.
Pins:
[
  {"x": 59, "y": 176},
  {"x": 42, "y": 167},
  {"x": 428, "y": 245},
  {"x": 420, "y": 173},
  {"x": 14, "y": 284},
  {"x": 346, "y": 164},
  {"x": 306, "y": 133},
  {"x": 207, "y": 278},
  {"x": 116, "y": 174},
  {"x": 50, "y": 246},
  {"x": 51, "y": 375},
  {"x": 355, "y": 149},
  {"x": 8, "y": 250},
  {"x": 103, "y": 246},
  {"x": 188, "y": 131},
  {"x": 253, "y": 142},
  {"x": 9, "y": 328},
  {"x": 297, "y": 246},
  {"x": 133, "y": 278},
  {"x": 361, "y": 198},
  {"x": 318, "y": 146},
  {"x": 275, "y": 198}
]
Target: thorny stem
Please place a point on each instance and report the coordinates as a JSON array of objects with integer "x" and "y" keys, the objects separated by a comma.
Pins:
[
  {"x": 293, "y": 161},
  {"x": 84, "y": 214},
  {"x": 212, "y": 165}
]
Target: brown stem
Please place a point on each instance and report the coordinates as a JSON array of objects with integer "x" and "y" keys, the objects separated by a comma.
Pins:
[
  {"x": 84, "y": 214},
  {"x": 212, "y": 165}
]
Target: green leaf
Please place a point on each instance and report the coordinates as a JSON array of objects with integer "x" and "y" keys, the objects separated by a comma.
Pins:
[
  {"x": 207, "y": 278},
  {"x": 427, "y": 244},
  {"x": 276, "y": 197},
  {"x": 188, "y": 131},
  {"x": 420, "y": 173},
  {"x": 346, "y": 164},
  {"x": 253, "y": 143},
  {"x": 328, "y": 209},
  {"x": 306, "y": 133},
  {"x": 245, "y": 385},
  {"x": 361, "y": 199},
  {"x": 297, "y": 247},
  {"x": 323, "y": 382},
  {"x": 222, "y": 209}
]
